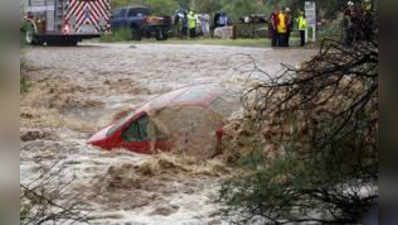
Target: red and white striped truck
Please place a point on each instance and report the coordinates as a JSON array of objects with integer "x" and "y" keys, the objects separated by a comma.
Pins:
[{"x": 65, "y": 22}]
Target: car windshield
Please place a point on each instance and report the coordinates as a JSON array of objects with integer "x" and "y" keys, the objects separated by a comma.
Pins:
[
  {"x": 143, "y": 11},
  {"x": 138, "y": 12},
  {"x": 137, "y": 131},
  {"x": 143, "y": 129}
]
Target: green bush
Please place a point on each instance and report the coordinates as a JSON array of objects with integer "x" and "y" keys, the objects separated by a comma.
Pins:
[
  {"x": 331, "y": 30},
  {"x": 159, "y": 7}
]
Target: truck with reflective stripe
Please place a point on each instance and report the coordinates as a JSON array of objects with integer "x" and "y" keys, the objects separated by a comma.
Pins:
[{"x": 65, "y": 22}]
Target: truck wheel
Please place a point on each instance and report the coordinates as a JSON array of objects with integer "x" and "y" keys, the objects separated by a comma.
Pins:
[
  {"x": 161, "y": 35},
  {"x": 136, "y": 34},
  {"x": 165, "y": 35},
  {"x": 60, "y": 42},
  {"x": 39, "y": 41},
  {"x": 71, "y": 43},
  {"x": 148, "y": 34}
]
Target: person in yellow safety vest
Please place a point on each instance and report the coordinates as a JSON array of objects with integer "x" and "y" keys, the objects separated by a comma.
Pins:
[
  {"x": 192, "y": 24},
  {"x": 302, "y": 27},
  {"x": 281, "y": 28}
]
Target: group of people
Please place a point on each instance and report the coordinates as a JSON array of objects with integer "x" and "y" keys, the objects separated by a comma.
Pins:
[
  {"x": 281, "y": 24},
  {"x": 358, "y": 22},
  {"x": 189, "y": 22}
]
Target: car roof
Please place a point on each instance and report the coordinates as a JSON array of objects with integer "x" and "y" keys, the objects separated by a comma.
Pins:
[
  {"x": 197, "y": 95},
  {"x": 211, "y": 96}
]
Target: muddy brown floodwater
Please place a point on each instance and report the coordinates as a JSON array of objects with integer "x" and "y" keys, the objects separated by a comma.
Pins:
[{"x": 76, "y": 90}]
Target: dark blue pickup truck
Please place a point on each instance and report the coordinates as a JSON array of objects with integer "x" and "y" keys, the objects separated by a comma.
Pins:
[{"x": 141, "y": 22}]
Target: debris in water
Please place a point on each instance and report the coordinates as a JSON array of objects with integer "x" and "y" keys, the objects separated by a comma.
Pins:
[{"x": 35, "y": 134}]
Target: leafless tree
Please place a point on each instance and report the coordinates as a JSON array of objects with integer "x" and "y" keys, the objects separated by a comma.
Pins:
[{"x": 49, "y": 200}]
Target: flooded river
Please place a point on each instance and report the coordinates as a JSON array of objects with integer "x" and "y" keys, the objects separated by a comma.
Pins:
[{"x": 76, "y": 90}]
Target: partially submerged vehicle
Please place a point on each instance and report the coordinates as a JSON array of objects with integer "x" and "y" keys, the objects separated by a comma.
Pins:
[{"x": 189, "y": 119}]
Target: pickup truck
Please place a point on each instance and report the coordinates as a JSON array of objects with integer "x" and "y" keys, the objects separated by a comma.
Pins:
[{"x": 141, "y": 22}]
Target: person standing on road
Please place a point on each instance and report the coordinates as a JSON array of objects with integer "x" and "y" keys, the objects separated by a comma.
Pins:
[
  {"x": 273, "y": 21},
  {"x": 352, "y": 23},
  {"x": 347, "y": 24},
  {"x": 204, "y": 22},
  {"x": 281, "y": 28},
  {"x": 192, "y": 24},
  {"x": 185, "y": 24},
  {"x": 181, "y": 23},
  {"x": 302, "y": 27},
  {"x": 367, "y": 20},
  {"x": 223, "y": 20},
  {"x": 289, "y": 25},
  {"x": 356, "y": 22},
  {"x": 217, "y": 19}
]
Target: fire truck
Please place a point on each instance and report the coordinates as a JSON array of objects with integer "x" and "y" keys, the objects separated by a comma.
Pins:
[{"x": 65, "y": 22}]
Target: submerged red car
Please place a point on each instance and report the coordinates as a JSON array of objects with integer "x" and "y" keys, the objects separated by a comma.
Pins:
[{"x": 191, "y": 117}]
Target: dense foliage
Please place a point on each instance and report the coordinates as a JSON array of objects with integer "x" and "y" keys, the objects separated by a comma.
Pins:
[
  {"x": 309, "y": 140},
  {"x": 236, "y": 8}
]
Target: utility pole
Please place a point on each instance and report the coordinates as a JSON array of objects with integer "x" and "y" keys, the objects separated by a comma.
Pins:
[{"x": 310, "y": 14}]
